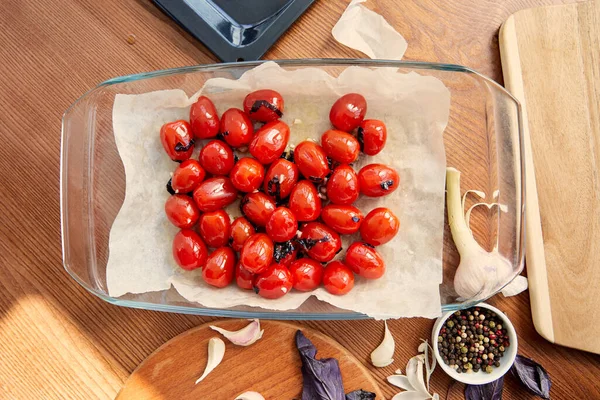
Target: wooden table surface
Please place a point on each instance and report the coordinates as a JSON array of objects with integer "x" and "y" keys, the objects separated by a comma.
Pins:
[{"x": 59, "y": 342}]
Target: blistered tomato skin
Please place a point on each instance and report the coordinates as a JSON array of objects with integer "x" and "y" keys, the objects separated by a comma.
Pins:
[
  {"x": 342, "y": 186},
  {"x": 257, "y": 253},
  {"x": 282, "y": 225},
  {"x": 340, "y": 146},
  {"x": 181, "y": 211},
  {"x": 379, "y": 226},
  {"x": 280, "y": 179},
  {"x": 189, "y": 251},
  {"x": 376, "y": 180},
  {"x": 236, "y": 128},
  {"x": 215, "y": 228},
  {"x": 177, "y": 140},
  {"x": 220, "y": 267},
  {"x": 372, "y": 135},
  {"x": 241, "y": 230},
  {"x": 311, "y": 160},
  {"x": 338, "y": 279},
  {"x": 348, "y": 112},
  {"x": 307, "y": 274},
  {"x": 319, "y": 241},
  {"x": 270, "y": 141},
  {"x": 257, "y": 207},
  {"x": 214, "y": 194},
  {"x": 343, "y": 219},
  {"x": 305, "y": 202},
  {"x": 365, "y": 261},
  {"x": 285, "y": 252},
  {"x": 204, "y": 119},
  {"x": 243, "y": 278},
  {"x": 273, "y": 283},
  {"x": 187, "y": 176},
  {"x": 264, "y": 105},
  {"x": 217, "y": 158},
  {"x": 247, "y": 175}
]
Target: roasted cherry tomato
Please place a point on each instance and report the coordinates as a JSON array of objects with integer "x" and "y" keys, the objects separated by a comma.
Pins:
[
  {"x": 280, "y": 179},
  {"x": 305, "y": 202},
  {"x": 285, "y": 253},
  {"x": 270, "y": 141},
  {"x": 365, "y": 261},
  {"x": 379, "y": 226},
  {"x": 273, "y": 283},
  {"x": 236, "y": 128},
  {"x": 342, "y": 186},
  {"x": 282, "y": 225},
  {"x": 343, "y": 219},
  {"x": 187, "y": 176},
  {"x": 247, "y": 175},
  {"x": 372, "y": 135},
  {"x": 257, "y": 253},
  {"x": 257, "y": 207},
  {"x": 181, "y": 211},
  {"x": 376, "y": 180},
  {"x": 215, "y": 228},
  {"x": 348, "y": 111},
  {"x": 177, "y": 140},
  {"x": 338, "y": 278},
  {"x": 217, "y": 158},
  {"x": 220, "y": 267},
  {"x": 204, "y": 118},
  {"x": 306, "y": 274},
  {"x": 264, "y": 105},
  {"x": 189, "y": 251},
  {"x": 340, "y": 146},
  {"x": 241, "y": 230},
  {"x": 215, "y": 193},
  {"x": 319, "y": 241},
  {"x": 311, "y": 161},
  {"x": 243, "y": 277}
]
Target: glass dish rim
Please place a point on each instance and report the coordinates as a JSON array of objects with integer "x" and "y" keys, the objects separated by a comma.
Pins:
[{"x": 305, "y": 62}]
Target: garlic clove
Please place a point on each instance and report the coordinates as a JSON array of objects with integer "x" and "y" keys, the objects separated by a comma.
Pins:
[
  {"x": 245, "y": 336},
  {"x": 411, "y": 396},
  {"x": 250, "y": 396},
  {"x": 518, "y": 285},
  {"x": 382, "y": 355},
  {"x": 216, "y": 351},
  {"x": 400, "y": 381}
]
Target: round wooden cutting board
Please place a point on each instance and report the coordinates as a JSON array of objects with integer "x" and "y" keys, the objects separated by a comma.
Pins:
[{"x": 271, "y": 366}]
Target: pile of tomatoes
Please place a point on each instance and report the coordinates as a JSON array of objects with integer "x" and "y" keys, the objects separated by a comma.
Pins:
[{"x": 295, "y": 204}]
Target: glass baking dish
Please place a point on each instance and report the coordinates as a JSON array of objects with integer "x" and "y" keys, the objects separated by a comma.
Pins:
[{"x": 483, "y": 139}]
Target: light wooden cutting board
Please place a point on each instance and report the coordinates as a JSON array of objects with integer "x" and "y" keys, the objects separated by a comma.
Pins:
[{"x": 551, "y": 63}]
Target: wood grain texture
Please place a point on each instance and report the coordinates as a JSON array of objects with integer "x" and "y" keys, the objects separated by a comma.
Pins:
[
  {"x": 271, "y": 366},
  {"x": 553, "y": 64},
  {"x": 59, "y": 342}
]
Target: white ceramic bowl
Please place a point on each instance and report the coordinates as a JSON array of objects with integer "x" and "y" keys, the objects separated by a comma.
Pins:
[{"x": 478, "y": 378}]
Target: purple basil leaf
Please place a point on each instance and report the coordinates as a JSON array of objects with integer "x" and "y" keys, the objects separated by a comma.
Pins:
[
  {"x": 321, "y": 379},
  {"x": 360, "y": 395},
  {"x": 533, "y": 376},
  {"x": 489, "y": 391}
]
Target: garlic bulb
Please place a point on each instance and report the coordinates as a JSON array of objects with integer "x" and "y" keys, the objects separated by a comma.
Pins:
[{"x": 480, "y": 273}]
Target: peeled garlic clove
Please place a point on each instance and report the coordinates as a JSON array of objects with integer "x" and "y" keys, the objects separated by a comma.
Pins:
[
  {"x": 245, "y": 336},
  {"x": 382, "y": 355},
  {"x": 216, "y": 351},
  {"x": 250, "y": 396}
]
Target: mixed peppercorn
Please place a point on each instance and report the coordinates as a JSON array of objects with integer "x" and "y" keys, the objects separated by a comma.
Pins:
[{"x": 473, "y": 340}]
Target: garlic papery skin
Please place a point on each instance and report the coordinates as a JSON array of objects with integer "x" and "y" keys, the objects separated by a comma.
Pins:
[
  {"x": 245, "y": 336},
  {"x": 480, "y": 273},
  {"x": 250, "y": 396},
  {"x": 216, "y": 351},
  {"x": 383, "y": 355}
]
